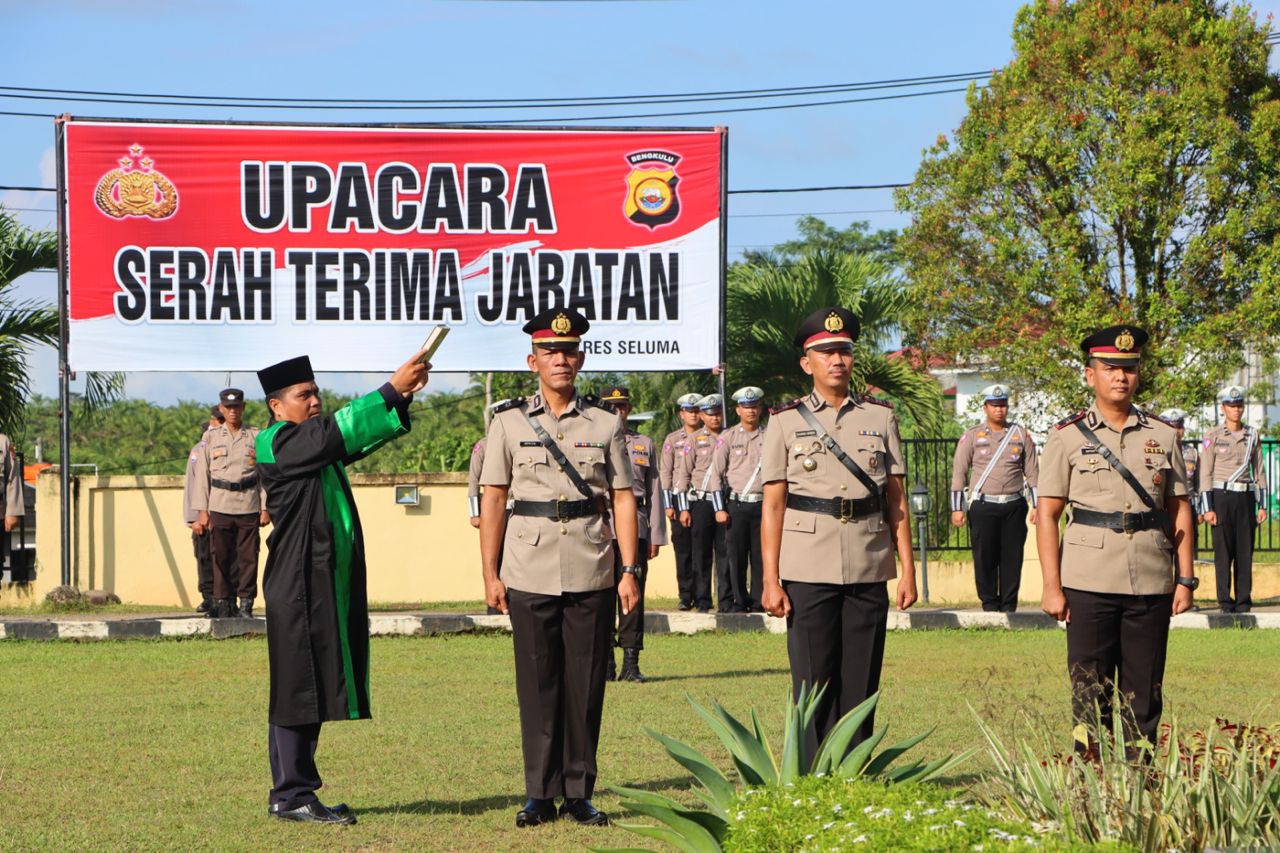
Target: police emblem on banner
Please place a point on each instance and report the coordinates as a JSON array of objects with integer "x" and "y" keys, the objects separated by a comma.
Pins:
[
  {"x": 652, "y": 199},
  {"x": 140, "y": 191}
]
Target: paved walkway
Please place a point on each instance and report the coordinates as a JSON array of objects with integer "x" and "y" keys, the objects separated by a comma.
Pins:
[{"x": 409, "y": 624}]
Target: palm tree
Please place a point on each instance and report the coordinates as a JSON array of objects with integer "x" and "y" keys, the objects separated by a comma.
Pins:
[
  {"x": 24, "y": 324},
  {"x": 766, "y": 304}
]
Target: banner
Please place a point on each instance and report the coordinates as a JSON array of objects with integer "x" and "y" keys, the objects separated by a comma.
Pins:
[{"x": 230, "y": 247}]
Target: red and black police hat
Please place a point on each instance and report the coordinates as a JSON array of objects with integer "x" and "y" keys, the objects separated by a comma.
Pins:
[
  {"x": 1119, "y": 346},
  {"x": 557, "y": 328},
  {"x": 828, "y": 328}
]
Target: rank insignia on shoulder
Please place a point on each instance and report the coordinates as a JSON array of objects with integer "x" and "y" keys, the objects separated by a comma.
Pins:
[
  {"x": 867, "y": 398},
  {"x": 1070, "y": 419},
  {"x": 508, "y": 404},
  {"x": 782, "y": 407}
]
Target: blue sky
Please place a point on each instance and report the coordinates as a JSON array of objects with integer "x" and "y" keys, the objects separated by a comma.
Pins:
[{"x": 512, "y": 49}]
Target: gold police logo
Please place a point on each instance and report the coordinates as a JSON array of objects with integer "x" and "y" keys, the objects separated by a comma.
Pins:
[
  {"x": 651, "y": 188},
  {"x": 833, "y": 323},
  {"x": 141, "y": 191},
  {"x": 561, "y": 325},
  {"x": 1124, "y": 341}
]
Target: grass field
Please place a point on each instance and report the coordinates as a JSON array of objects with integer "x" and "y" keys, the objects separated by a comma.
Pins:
[{"x": 161, "y": 745}]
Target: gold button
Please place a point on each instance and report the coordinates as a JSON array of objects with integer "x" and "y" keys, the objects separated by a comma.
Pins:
[
  {"x": 563, "y": 498},
  {"x": 797, "y": 523},
  {"x": 560, "y": 435},
  {"x": 1127, "y": 505},
  {"x": 844, "y": 488},
  {"x": 837, "y": 426},
  {"x": 563, "y": 531},
  {"x": 519, "y": 535},
  {"x": 530, "y": 460},
  {"x": 844, "y": 520}
]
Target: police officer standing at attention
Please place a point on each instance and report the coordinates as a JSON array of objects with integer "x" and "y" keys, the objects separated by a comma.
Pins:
[
  {"x": 1111, "y": 579},
  {"x": 700, "y": 500},
  {"x": 228, "y": 498},
  {"x": 651, "y": 526},
  {"x": 739, "y": 459},
  {"x": 14, "y": 503},
  {"x": 1233, "y": 490},
  {"x": 473, "y": 481},
  {"x": 673, "y": 447},
  {"x": 202, "y": 542},
  {"x": 993, "y": 460},
  {"x": 1177, "y": 418},
  {"x": 835, "y": 510},
  {"x": 560, "y": 457}
]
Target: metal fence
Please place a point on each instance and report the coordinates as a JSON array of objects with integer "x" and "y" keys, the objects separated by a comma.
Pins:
[{"x": 929, "y": 462}]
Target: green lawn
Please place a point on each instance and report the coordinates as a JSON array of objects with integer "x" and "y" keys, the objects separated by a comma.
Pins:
[{"x": 161, "y": 745}]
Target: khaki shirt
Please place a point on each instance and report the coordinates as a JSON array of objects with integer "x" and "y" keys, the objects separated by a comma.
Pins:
[
  {"x": 1017, "y": 462},
  {"x": 819, "y": 548},
  {"x": 673, "y": 447},
  {"x": 230, "y": 458},
  {"x": 647, "y": 487},
  {"x": 737, "y": 457},
  {"x": 1191, "y": 458},
  {"x": 14, "y": 501},
  {"x": 543, "y": 555},
  {"x": 695, "y": 467},
  {"x": 189, "y": 513},
  {"x": 1094, "y": 558},
  {"x": 1223, "y": 454},
  {"x": 473, "y": 477}
]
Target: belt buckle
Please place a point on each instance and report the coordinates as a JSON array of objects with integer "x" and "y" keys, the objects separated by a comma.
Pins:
[
  {"x": 846, "y": 510},
  {"x": 1129, "y": 523},
  {"x": 560, "y": 510}
]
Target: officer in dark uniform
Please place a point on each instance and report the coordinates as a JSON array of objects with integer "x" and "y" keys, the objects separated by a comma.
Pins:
[
  {"x": 1111, "y": 578},
  {"x": 651, "y": 531},
  {"x": 561, "y": 457},
  {"x": 835, "y": 513}
]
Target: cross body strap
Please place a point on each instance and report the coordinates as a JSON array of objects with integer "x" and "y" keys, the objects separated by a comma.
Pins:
[
  {"x": 711, "y": 466},
  {"x": 991, "y": 465},
  {"x": 1248, "y": 457},
  {"x": 1092, "y": 437},
  {"x": 847, "y": 461},
  {"x": 556, "y": 453}
]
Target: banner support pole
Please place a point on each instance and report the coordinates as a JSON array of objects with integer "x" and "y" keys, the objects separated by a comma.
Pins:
[
  {"x": 64, "y": 369},
  {"x": 724, "y": 263}
]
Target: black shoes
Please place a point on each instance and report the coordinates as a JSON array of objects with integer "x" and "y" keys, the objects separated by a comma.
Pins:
[
  {"x": 536, "y": 812},
  {"x": 246, "y": 608},
  {"x": 686, "y": 605},
  {"x": 583, "y": 812},
  {"x": 631, "y": 666},
  {"x": 611, "y": 671},
  {"x": 205, "y": 607},
  {"x": 314, "y": 812},
  {"x": 223, "y": 608}
]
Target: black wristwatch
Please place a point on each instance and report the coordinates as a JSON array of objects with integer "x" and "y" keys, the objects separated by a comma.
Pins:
[
  {"x": 1191, "y": 582},
  {"x": 631, "y": 570}
]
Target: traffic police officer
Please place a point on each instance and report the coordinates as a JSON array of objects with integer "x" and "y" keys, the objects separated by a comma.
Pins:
[
  {"x": 739, "y": 460},
  {"x": 993, "y": 460},
  {"x": 473, "y": 481},
  {"x": 201, "y": 543},
  {"x": 1111, "y": 579},
  {"x": 834, "y": 510},
  {"x": 673, "y": 447},
  {"x": 229, "y": 501},
  {"x": 651, "y": 525},
  {"x": 700, "y": 500},
  {"x": 1233, "y": 490},
  {"x": 559, "y": 456}
]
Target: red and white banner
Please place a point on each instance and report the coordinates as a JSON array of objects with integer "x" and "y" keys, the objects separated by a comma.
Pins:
[{"x": 230, "y": 247}]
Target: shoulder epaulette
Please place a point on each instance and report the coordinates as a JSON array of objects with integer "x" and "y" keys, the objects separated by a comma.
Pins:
[
  {"x": 593, "y": 400},
  {"x": 782, "y": 407},
  {"x": 503, "y": 405},
  {"x": 867, "y": 398},
  {"x": 1070, "y": 419}
]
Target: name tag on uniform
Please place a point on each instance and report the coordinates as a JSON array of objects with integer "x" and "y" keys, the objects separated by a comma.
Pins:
[
  {"x": 1089, "y": 448},
  {"x": 531, "y": 444},
  {"x": 802, "y": 433},
  {"x": 218, "y": 452}
]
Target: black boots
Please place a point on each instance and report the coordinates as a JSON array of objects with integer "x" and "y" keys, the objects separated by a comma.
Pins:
[
  {"x": 205, "y": 607},
  {"x": 631, "y": 666},
  {"x": 611, "y": 672},
  {"x": 246, "y": 608},
  {"x": 222, "y": 608}
]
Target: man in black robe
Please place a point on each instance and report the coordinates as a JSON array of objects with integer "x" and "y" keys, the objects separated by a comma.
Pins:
[{"x": 314, "y": 581}]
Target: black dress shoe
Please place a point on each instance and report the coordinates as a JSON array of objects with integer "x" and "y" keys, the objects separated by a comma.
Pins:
[
  {"x": 583, "y": 812},
  {"x": 313, "y": 812},
  {"x": 536, "y": 812},
  {"x": 686, "y": 605}
]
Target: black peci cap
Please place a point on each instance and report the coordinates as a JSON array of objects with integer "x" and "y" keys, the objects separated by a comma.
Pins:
[
  {"x": 557, "y": 328},
  {"x": 1120, "y": 346},
  {"x": 832, "y": 327},
  {"x": 286, "y": 373}
]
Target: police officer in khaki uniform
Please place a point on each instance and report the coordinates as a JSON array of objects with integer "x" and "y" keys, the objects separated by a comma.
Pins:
[
  {"x": 699, "y": 491},
  {"x": 673, "y": 447},
  {"x": 229, "y": 501},
  {"x": 739, "y": 459},
  {"x": 1112, "y": 577},
  {"x": 1233, "y": 494},
  {"x": 201, "y": 543},
  {"x": 835, "y": 511},
  {"x": 993, "y": 461},
  {"x": 559, "y": 457},
  {"x": 1177, "y": 418},
  {"x": 651, "y": 525},
  {"x": 473, "y": 481},
  {"x": 14, "y": 507}
]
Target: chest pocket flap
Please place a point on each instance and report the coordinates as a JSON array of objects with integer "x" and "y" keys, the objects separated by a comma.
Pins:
[
  {"x": 1088, "y": 463},
  {"x": 585, "y": 457},
  {"x": 528, "y": 457},
  {"x": 1079, "y": 534}
]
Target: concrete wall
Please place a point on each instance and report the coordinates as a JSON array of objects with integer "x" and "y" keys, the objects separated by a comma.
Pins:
[{"x": 129, "y": 538}]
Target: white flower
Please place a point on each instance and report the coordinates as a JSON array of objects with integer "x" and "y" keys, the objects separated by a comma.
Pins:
[
  {"x": 937, "y": 828},
  {"x": 868, "y": 809},
  {"x": 968, "y": 807},
  {"x": 837, "y": 808},
  {"x": 1001, "y": 835},
  {"x": 861, "y": 839},
  {"x": 908, "y": 816},
  {"x": 742, "y": 815},
  {"x": 928, "y": 812},
  {"x": 809, "y": 837},
  {"x": 951, "y": 804},
  {"x": 827, "y": 826},
  {"x": 958, "y": 822},
  {"x": 795, "y": 802}
]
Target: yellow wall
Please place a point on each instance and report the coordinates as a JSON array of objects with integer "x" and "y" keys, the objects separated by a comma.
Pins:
[{"x": 129, "y": 538}]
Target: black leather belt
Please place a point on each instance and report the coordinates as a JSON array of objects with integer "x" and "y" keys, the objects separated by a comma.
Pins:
[
  {"x": 560, "y": 510},
  {"x": 842, "y": 508},
  {"x": 1122, "y": 522},
  {"x": 242, "y": 486}
]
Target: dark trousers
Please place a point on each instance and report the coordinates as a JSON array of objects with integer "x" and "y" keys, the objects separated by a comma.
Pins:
[
  {"x": 294, "y": 777},
  {"x": 562, "y": 649},
  {"x": 1233, "y": 543},
  {"x": 709, "y": 557},
  {"x": 835, "y": 636},
  {"x": 630, "y": 633},
  {"x": 743, "y": 539},
  {"x": 998, "y": 533},
  {"x": 235, "y": 554},
  {"x": 1118, "y": 641},
  {"x": 682, "y": 545},
  {"x": 203, "y": 548}
]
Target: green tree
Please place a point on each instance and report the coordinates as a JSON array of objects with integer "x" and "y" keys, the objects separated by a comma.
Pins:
[
  {"x": 1123, "y": 168},
  {"x": 816, "y": 235},
  {"x": 23, "y": 324},
  {"x": 767, "y": 303}
]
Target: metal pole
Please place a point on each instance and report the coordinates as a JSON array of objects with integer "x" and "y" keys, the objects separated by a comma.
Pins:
[
  {"x": 64, "y": 368},
  {"x": 724, "y": 259},
  {"x": 924, "y": 558}
]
